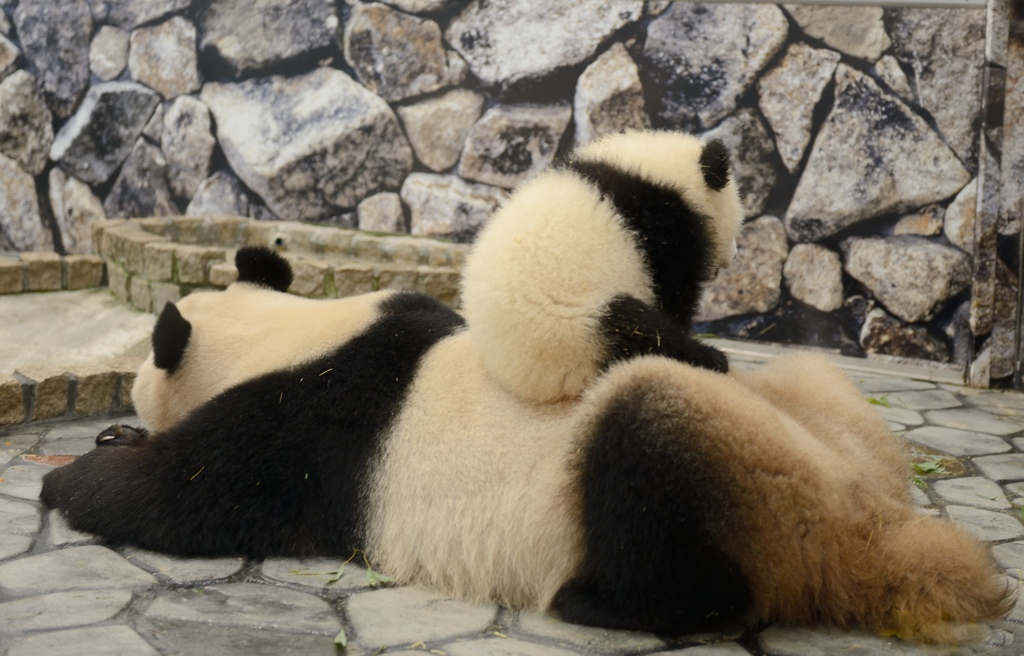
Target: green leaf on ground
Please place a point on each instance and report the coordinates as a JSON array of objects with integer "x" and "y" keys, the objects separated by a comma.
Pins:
[
  {"x": 376, "y": 578},
  {"x": 930, "y": 467}
]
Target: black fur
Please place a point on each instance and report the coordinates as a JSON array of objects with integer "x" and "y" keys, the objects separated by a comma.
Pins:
[
  {"x": 274, "y": 466},
  {"x": 677, "y": 241},
  {"x": 170, "y": 338},
  {"x": 632, "y": 328},
  {"x": 678, "y": 244},
  {"x": 654, "y": 505},
  {"x": 263, "y": 266},
  {"x": 715, "y": 164}
]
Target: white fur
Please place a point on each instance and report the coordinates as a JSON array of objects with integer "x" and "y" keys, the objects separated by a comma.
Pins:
[
  {"x": 545, "y": 266},
  {"x": 239, "y": 334}
]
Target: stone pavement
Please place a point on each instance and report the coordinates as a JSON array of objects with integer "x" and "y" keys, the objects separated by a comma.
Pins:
[{"x": 62, "y": 592}]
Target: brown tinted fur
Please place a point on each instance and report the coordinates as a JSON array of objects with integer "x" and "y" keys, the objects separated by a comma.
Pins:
[{"x": 825, "y": 530}]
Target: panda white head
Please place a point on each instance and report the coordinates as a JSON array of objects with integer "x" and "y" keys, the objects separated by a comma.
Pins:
[
  {"x": 210, "y": 341},
  {"x": 700, "y": 172}
]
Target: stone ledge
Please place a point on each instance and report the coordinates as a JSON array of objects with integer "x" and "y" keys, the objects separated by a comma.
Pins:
[
  {"x": 153, "y": 261},
  {"x": 47, "y": 393},
  {"x": 48, "y": 272}
]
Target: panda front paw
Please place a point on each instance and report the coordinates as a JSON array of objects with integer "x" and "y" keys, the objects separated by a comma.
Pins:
[
  {"x": 120, "y": 435},
  {"x": 708, "y": 357}
]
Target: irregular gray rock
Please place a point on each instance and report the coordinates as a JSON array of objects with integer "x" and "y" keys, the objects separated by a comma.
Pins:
[
  {"x": 77, "y": 568},
  {"x": 889, "y": 71},
  {"x": 118, "y": 639},
  {"x": 187, "y": 143},
  {"x": 221, "y": 194},
  {"x": 129, "y": 14},
  {"x": 108, "y": 54},
  {"x": 163, "y": 57},
  {"x": 814, "y": 275},
  {"x": 926, "y": 222},
  {"x": 885, "y": 335},
  {"x": 62, "y": 535},
  {"x": 448, "y": 206},
  {"x": 62, "y": 609},
  {"x": 788, "y": 94},
  {"x": 498, "y": 38},
  {"x": 589, "y": 639},
  {"x": 437, "y": 127},
  {"x": 20, "y": 517},
  {"x": 317, "y": 573},
  {"x": 312, "y": 144},
  {"x": 381, "y": 213},
  {"x": 141, "y": 188},
  {"x": 510, "y": 142},
  {"x": 609, "y": 97},
  {"x": 250, "y": 36},
  {"x": 753, "y": 282},
  {"x": 856, "y": 31},
  {"x": 502, "y": 646},
  {"x": 75, "y": 208},
  {"x": 406, "y": 615},
  {"x": 182, "y": 570},
  {"x": 911, "y": 276},
  {"x": 700, "y": 57},
  {"x": 1002, "y": 468},
  {"x": 946, "y": 51},
  {"x": 395, "y": 55},
  {"x": 986, "y": 525},
  {"x": 21, "y": 226},
  {"x": 98, "y": 138},
  {"x": 26, "y": 126},
  {"x": 14, "y": 545},
  {"x": 873, "y": 156},
  {"x": 972, "y": 491},
  {"x": 264, "y": 606},
  {"x": 974, "y": 419},
  {"x": 799, "y": 641},
  {"x": 961, "y": 216},
  {"x": 752, "y": 148},
  {"x": 958, "y": 442},
  {"x": 55, "y": 41},
  {"x": 8, "y": 56}
]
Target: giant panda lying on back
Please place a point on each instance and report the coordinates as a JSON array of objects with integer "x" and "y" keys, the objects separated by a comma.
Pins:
[{"x": 662, "y": 496}]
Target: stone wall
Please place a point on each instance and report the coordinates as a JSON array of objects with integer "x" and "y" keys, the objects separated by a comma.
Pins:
[{"x": 874, "y": 207}]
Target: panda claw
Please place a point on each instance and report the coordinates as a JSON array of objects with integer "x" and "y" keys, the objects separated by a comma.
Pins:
[{"x": 120, "y": 435}]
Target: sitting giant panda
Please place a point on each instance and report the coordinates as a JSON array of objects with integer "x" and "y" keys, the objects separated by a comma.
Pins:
[
  {"x": 599, "y": 259},
  {"x": 666, "y": 497}
]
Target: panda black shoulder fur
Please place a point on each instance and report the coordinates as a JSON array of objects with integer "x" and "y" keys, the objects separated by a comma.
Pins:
[
  {"x": 667, "y": 498},
  {"x": 600, "y": 259}
]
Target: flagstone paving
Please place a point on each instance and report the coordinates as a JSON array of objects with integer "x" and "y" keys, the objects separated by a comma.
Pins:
[{"x": 64, "y": 592}]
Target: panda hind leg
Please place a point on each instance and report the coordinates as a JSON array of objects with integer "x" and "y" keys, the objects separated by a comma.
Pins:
[{"x": 654, "y": 509}]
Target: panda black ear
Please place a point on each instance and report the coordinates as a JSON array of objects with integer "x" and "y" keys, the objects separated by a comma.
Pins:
[
  {"x": 170, "y": 337},
  {"x": 715, "y": 164},
  {"x": 263, "y": 266}
]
